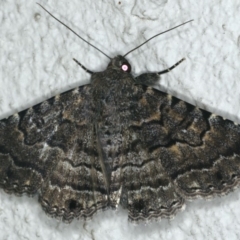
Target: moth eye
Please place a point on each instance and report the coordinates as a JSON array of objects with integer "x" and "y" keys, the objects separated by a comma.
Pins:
[{"x": 126, "y": 67}]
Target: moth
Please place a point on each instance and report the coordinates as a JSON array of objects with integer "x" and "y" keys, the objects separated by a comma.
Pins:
[{"x": 118, "y": 141}]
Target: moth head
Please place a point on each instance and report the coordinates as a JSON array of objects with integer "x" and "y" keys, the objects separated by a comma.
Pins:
[{"x": 120, "y": 63}]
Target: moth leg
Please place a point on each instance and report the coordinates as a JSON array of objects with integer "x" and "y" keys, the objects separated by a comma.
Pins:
[
  {"x": 150, "y": 79},
  {"x": 171, "y": 68},
  {"x": 83, "y": 67}
]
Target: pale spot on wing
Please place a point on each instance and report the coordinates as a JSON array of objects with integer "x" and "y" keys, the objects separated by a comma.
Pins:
[
  {"x": 44, "y": 150},
  {"x": 57, "y": 97},
  {"x": 71, "y": 152},
  {"x": 169, "y": 98}
]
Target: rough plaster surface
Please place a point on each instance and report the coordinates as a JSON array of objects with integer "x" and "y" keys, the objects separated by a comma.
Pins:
[{"x": 36, "y": 63}]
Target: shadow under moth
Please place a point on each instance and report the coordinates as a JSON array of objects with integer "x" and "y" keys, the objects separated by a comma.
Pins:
[{"x": 118, "y": 141}]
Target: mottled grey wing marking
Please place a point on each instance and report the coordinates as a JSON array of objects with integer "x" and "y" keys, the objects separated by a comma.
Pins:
[
  {"x": 176, "y": 151},
  {"x": 147, "y": 191},
  {"x": 51, "y": 149},
  {"x": 199, "y": 151}
]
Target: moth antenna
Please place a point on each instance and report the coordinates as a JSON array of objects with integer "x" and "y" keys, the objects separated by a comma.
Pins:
[
  {"x": 155, "y": 36},
  {"x": 73, "y": 31}
]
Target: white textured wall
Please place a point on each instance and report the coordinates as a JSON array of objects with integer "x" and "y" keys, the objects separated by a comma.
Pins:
[{"x": 36, "y": 62}]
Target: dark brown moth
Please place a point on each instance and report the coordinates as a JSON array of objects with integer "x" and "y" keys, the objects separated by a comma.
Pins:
[{"x": 118, "y": 141}]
